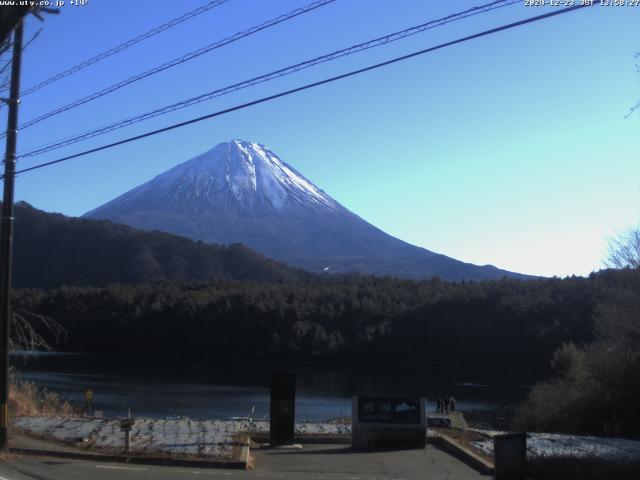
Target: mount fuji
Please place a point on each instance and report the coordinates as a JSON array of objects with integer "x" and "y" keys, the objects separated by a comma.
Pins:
[{"x": 241, "y": 192}]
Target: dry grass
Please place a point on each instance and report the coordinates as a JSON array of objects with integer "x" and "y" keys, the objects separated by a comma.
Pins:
[
  {"x": 7, "y": 456},
  {"x": 25, "y": 398}
]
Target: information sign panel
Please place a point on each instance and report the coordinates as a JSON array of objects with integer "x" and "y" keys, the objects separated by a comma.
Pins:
[{"x": 404, "y": 410}]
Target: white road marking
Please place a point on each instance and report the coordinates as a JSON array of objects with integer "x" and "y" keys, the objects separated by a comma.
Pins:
[
  {"x": 113, "y": 467},
  {"x": 199, "y": 472}
]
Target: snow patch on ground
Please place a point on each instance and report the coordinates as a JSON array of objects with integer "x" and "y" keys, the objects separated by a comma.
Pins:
[
  {"x": 205, "y": 438},
  {"x": 558, "y": 445}
]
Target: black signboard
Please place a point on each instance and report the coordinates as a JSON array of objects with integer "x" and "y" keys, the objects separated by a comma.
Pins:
[
  {"x": 126, "y": 424},
  {"x": 283, "y": 403},
  {"x": 405, "y": 411}
]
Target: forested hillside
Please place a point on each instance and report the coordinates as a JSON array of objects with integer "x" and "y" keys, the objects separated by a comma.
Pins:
[
  {"x": 139, "y": 292},
  {"x": 355, "y": 319},
  {"x": 53, "y": 250}
]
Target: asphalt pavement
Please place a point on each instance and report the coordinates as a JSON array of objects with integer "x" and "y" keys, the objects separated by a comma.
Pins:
[{"x": 312, "y": 462}]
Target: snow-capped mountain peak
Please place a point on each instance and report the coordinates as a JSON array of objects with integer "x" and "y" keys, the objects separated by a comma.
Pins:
[{"x": 238, "y": 171}]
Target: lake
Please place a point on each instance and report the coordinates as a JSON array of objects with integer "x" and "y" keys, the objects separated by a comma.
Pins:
[{"x": 157, "y": 388}]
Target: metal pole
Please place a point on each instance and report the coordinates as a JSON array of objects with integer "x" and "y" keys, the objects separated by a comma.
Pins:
[
  {"x": 6, "y": 240},
  {"x": 126, "y": 441}
]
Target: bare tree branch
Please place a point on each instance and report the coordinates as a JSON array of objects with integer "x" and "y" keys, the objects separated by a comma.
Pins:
[
  {"x": 636, "y": 107},
  {"x": 624, "y": 251},
  {"x": 31, "y": 332}
]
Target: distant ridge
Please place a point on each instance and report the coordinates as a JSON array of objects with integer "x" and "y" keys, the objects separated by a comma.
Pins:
[
  {"x": 52, "y": 250},
  {"x": 241, "y": 192}
]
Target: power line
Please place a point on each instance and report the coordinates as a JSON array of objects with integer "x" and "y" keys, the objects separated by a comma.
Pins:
[
  {"x": 179, "y": 60},
  {"x": 269, "y": 76},
  {"x": 308, "y": 86},
  {"x": 5, "y": 81},
  {"x": 125, "y": 45}
]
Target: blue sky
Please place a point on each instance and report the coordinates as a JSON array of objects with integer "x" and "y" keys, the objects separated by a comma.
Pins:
[{"x": 509, "y": 150}]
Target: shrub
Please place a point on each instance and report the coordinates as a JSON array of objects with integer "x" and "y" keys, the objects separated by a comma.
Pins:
[{"x": 594, "y": 388}]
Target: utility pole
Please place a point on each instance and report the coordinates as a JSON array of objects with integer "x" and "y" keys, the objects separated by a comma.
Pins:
[{"x": 6, "y": 239}]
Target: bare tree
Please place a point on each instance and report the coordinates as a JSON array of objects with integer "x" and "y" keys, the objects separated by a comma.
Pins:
[
  {"x": 31, "y": 332},
  {"x": 636, "y": 107},
  {"x": 624, "y": 251}
]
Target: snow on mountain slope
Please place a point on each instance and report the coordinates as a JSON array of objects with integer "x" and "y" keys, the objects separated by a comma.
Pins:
[{"x": 248, "y": 173}]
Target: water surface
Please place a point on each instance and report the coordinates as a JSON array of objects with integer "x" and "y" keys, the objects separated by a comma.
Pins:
[{"x": 157, "y": 388}]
